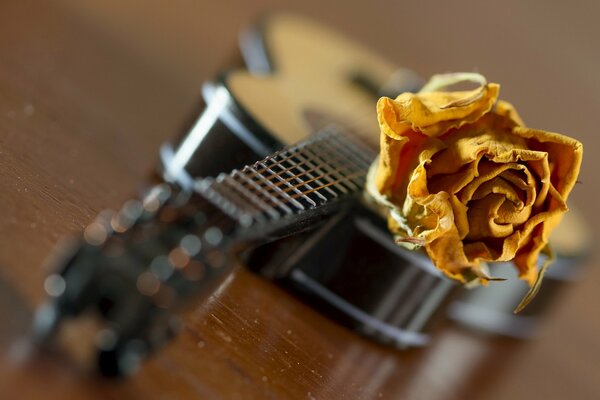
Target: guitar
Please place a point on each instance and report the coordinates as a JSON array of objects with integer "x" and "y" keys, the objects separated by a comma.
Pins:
[{"x": 250, "y": 114}]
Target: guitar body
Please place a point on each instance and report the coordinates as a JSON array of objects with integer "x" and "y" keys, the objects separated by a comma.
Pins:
[
  {"x": 304, "y": 76},
  {"x": 296, "y": 67}
]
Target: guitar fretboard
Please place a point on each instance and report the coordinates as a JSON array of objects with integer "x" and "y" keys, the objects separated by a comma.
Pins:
[{"x": 327, "y": 167}]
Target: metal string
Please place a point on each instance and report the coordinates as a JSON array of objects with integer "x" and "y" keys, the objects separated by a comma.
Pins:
[{"x": 312, "y": 161}]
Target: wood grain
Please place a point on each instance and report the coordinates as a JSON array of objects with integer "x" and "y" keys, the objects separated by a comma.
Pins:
[{"x": 89, "y": 90}]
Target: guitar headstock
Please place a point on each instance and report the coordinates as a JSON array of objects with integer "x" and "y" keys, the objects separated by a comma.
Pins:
[{"x": 122, "y": 282}]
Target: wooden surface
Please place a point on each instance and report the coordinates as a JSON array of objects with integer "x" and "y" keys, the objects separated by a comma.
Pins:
[{"x": 88, "y": 91}]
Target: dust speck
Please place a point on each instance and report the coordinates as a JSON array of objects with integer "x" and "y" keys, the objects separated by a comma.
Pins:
[
  {"x": 201, "y": 344},
  {"x": 28, "y": 109},
  {"x": 264, "y": 379},
  {"x": 224, "y": 336}
]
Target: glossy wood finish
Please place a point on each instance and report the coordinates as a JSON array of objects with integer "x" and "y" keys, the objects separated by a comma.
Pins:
[{"x": 89, "y": 90}]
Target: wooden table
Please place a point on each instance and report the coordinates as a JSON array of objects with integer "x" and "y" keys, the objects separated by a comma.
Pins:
[{"x": 89, "y": 90}]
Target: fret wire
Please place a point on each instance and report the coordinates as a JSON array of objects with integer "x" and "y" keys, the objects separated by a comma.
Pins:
[
  {"x": 219, "y": 218},
  {"x": 332, "y": 154},
  {"x": 333, "y": 183},
  {"x": 305, "y": 182},
  {"x": 325, "y": 175},
  {"x": 342, "y": 152},
  {"x": 268, "y": 182},
  {"x": 312, "y": 168},
  {"x": 290, "y": 187},
  {"x": 290, "y": 153},
  {"x": 283, "y": 181},
  {"x": 273, "y": 191},
  {"x": 295, "y": 177},
  {"x": 329, "y": 152},
  {"x": 259, "y": 193},
  {"x": 362, "y": 152},
  {"x": 230, "y": 193},
  {"x": 253, "y": 192},
  {"x": 245, "y": 193},
  {"x": 275, "y": 187},
  {"x": 289, "y": 169},
  {"x": 271, "y": 184},
  {"x": 334, "y": 171},
  {"x": 287, "y": 153},
  {"x": 270, "y": 189},
  {"x": 285, "y": 196}
]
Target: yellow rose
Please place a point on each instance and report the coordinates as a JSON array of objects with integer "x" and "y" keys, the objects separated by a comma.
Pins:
[{"x": 463, "y": 177}]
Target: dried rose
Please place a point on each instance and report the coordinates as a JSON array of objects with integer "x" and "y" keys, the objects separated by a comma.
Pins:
[{"x": 463, "y": 177}]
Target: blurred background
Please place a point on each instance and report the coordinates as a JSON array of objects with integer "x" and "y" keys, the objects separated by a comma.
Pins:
[{"x": 128, "y": 73}]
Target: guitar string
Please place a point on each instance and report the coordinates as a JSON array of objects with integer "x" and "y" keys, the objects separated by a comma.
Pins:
[
  {"x": 276, "y": 179},
  {"x": 303, "y": 188},
  {"x": 268, "y": 195},
  {"x": 356, "y": 122},
  {"x": 304, "y": 183},
  {"x": 291, "y": 153},
  {"x": 359, "y": 121},
  {"x": 355, "y": 175},
  {"x": 284, "y": 181},
  {"x": 270, "y": 190}
]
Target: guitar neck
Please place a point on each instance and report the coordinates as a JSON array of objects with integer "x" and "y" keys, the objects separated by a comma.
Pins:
[
  {"x": 135, "y": 267},
  {"x": 284, "y": 192}
]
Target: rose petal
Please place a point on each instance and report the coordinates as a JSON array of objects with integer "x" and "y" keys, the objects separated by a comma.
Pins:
[
  {"x": 466, "y": 179},
  {"x": 433, "y": 114}
]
